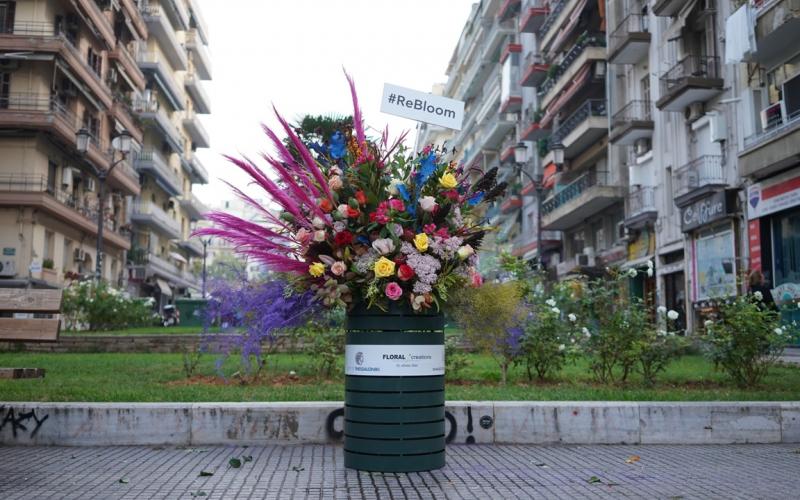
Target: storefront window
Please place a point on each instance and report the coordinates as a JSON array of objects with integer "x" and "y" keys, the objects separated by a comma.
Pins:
[
  {"x": 715, "y": 268},
  {"x": 786, "y": 255}
]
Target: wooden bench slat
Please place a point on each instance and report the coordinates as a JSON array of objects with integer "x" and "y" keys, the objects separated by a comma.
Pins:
[
  {"x": 36, "y": 329},
  {"x": 26, "y": 300}
]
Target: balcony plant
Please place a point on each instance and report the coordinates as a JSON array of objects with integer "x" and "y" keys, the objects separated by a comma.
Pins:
[{"x": 388, "y": 235}]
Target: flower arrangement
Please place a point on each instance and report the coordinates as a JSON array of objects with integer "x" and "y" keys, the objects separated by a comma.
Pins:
[{"x": 362, "y": 220}]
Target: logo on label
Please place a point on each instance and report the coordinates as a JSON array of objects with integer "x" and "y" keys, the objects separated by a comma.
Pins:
[
  {"x": 754, "y": 195},
  {"x": 359, "y": 358}
]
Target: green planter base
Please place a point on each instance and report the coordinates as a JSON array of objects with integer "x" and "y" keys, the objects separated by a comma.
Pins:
[{"x": 394, "y": 423}]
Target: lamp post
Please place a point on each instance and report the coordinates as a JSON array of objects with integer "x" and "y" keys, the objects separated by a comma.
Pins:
[
  {"x": 521, "y": 159},
  {"x": 206, "y": 242},
  {"x": 121, "y": 143}
]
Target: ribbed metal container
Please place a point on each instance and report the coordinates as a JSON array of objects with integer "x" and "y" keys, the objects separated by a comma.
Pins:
[{"x": 394, "y": 423}]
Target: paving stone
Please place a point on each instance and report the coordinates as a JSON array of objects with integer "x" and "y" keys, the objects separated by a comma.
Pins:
[{"x": 472, "y": 471}]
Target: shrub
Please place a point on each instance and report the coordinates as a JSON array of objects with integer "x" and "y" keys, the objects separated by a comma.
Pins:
[
  {"x": 48, "y": 264},
  {"x": 455, "y": 359},
  {"x": 323, "y": 339},
  {"x": 96, "y": 306},
  {"x": 745, "y": 339}
]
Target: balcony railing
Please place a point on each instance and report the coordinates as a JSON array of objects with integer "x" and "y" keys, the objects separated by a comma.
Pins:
[
  {"x": 775, "y": 128},
  {"x": 555, "y": 9},
  {"x": 584, "y": 41},
  {"x": 37, "y": 102},
  {"x": 574, "y": 189},
  {"x": 634, "y": 111},
  {"x": 149, "y": 210},
  {"x": 699, "y": 173},
  {"x": 642, "y": 200},
  {"x": 592, "y": 107},
  {"x": 153, "y": 160},
  {"x": 31, "y": 183},
  {"x": 705, "y": 67},
  {"x": 633, "y": 23}
]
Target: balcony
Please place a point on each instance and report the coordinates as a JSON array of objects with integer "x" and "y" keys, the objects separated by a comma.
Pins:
[
  {"x": 41, "y": 37},
  {"x": 777, "y": 27},
  {"x": 123, "y": 113},
  {"x": 535, "y": 70},
  {"x": 532, "y": 128},
  {"x": 497, "y": 128},
  {"x": 509, "y": 9},
  {"x": 151, "y": 215},
  {"x": 772, "y": 150},
  {"x": 196, "y": 130},
  {"x": 584, "y": 197},
  {"x": 577, "y": 264},
  {"x": 193, "y": 207},
  {"x": 121, "y": 55},
  {"x": 641, "y": 208},
  {"x": 556, "y": 9},
  {"x": 153, "y": 66},
  {"x": 192, "y": 246},
  {"x": 631, "y": 123},
  {"x": 510, "y": 93},
  {"x": 200, "y": 99},
  {"x": 588, "y": 49},
  {"x": 199, "y": 173},
  {"x": 151, "y": 112},
  {"x": 160, "y": 28},
  {"x": 152, "y": 163},
  {"x": 698, "y": 178},
  {"x": 693, "y": 79},
  {"x": 533, "y": 16},
  {"x": 200, "y": 58},
  {"x": 199, "y": 22},
  {"x": 32, "y": 190},
  {"x": 99, "y": 21},
  {"x": 136, "y": 17},
  {"x": 584, "y": 127},
  {"x": 511, "y": 204},
  {"x": 667, "y": 8},
  {"x": 494, "y": 41},
  {"x": 629, "y": 43},
  {"x": 152, "y": 265}
]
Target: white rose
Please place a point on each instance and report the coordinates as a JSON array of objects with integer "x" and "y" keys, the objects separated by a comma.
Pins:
[
  {"x": 556, "y": 310},
  {"x": 708, "y": 323},
  {"x": 562, "y": 347},
  {"x": 339, "y": 226},
  {"x": 673, "y": 315},
  {"x": 649, "y": 264},
  {"x": 318, "y": 222},
  {"x": 649, "y": 272},
  {"x": 778, "y": 331},
  {"x": 550, "y": 302},
  {"x": 319, "y": 235},
  {"x": 661, "y": 310},
  {"x": 572, "y": 317},
  {"x": 342, "y": 210},
  {"x": 758, "y": 295},
  {"x": 586, "y": 332},
  {"x": 383, "y": 245},
  {"x": 632, "y": 272},
  {"x": 428, "y": 203},
  {"x": 392, "y": 187},
  {"x": 661, "y": 333},
  {"x": 465, "y": 251}
]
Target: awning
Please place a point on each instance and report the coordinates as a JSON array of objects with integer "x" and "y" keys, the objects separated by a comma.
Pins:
[
  {"x": 178, "y": 257},
  {"x": 565, "y": 31},
  {"x": 79, "y": 85},
  {"x": 576, "y": 84},
  {"x": 164, "y": 287},
  {"x": 674, "y": 30}
]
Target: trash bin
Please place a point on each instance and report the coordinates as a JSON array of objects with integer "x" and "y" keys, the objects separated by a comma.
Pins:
[{"x": 192, "y": 311}]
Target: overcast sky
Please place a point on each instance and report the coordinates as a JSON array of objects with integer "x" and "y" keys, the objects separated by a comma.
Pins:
[{"x": 291, "y": 53}]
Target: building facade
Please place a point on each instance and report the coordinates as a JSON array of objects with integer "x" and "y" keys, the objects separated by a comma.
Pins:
[{"x": 107, "y": 67}]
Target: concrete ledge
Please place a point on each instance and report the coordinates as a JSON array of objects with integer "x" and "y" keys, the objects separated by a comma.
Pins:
[{"x": 486, "y": 422}]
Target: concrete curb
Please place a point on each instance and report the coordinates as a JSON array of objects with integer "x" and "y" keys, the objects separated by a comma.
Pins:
[{"x": 501, "y": 422}]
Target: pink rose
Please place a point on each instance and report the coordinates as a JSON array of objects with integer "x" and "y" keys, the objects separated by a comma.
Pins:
[
  {"x": 319, "y": 236},
  {"x": 428, "y": 203},
  {"x": 335, "y": 183},
  {"x": 338, "y": 268},
  {"x": 396, "y": 204},
  {"x": 383, "y": 245},
  {"x": 476, "y": 279},
  {"x": 393, "y": 291},
  {"x": 303, "y": 235}
]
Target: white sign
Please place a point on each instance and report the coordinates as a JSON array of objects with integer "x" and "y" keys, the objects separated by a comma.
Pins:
[
  {"x": 422, "y": 107},
  {"x": 36, "y": 266},
  {"x": 764, "y": 200},
  {"x": 394, "y": 360}
]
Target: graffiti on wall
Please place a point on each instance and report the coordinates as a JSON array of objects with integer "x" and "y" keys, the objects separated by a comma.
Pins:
[{"x": 21, "y": 422}]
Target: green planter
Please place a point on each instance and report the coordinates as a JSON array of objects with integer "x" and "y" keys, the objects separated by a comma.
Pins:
[{"x": 394, "y": 391}]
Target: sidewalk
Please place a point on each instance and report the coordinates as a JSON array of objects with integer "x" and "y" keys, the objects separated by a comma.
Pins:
[{"x": 476, "y": 471}]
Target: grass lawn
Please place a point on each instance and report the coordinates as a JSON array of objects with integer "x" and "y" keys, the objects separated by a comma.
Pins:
[{"x": 160, "y": 377}]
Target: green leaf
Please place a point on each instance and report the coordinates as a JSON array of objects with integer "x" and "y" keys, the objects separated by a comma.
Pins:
[
  {"x": 199, "y": 494},
  {"x": 594, "y": 479},
  {"x": 124, "y": 480},
  {"x": 206, "y": 473},
  {"x": 298, "y": 468},
  {"x": 247, "y": 458},
  {"x": 235, "y": 463}
]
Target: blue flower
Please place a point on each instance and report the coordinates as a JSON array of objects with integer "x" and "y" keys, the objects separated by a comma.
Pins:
[
  {"x": 426, "y": 169},
  {"x": 401, "y": 188},
  {"x": 363, "y": 240},
  {"x": 337, "y": 145},
  {"x": 475, "y": 199},
  {"x": 319, "y": 148}
]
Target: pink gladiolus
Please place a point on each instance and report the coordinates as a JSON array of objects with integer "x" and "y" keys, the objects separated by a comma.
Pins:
[
  {"x": 303, "y": 235},
  {"x": 393, "y": 291}
]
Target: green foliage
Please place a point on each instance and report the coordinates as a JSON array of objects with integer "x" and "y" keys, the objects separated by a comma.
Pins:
[
  {"x": 48, "y": 264},
  {"x": 323, "y": 339},
  {"x": 97, "y": 306},
  {"x": 542, "y": 147},
  {"x": 745, "y": 339},
  {"x": 455, "y": 359}
]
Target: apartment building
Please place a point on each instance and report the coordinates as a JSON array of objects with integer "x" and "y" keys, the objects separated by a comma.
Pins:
[
  {"x": 61, "y": 67},
  {"x": 109, "y": 68},
  {"x": 175, "y": 61}
]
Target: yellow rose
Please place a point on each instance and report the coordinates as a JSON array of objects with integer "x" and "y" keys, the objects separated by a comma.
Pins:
[
  {"x": 448, "y": 181},
  {"x": 384, "y": 267},
  {"x": 421, "y": 242},
  {"x": 316, "y": 269}
]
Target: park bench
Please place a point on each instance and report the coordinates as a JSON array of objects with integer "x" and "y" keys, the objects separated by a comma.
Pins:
[{"x": 28, "y": 316}]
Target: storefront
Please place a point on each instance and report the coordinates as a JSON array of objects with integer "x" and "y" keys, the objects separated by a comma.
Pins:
[
  {"x": 641, "y": 255},
  {"x": 711, "y": 235},
  {"x": 773, "y": 212}
]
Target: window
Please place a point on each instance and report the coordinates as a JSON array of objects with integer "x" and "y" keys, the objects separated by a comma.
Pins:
[
  {"x": 668, "y": 192},
  {"x": 95, "y": 61},
  {"x": 786, "y": 252},
  {"x": 52, "y": 174},
  {"x": 91, "y": 123},
  {"x": 7, "y": 16},
  {"x": 645, "y": 86},
  {"x": 49, "y": 245},
  {"x": 66, "y": 259}
]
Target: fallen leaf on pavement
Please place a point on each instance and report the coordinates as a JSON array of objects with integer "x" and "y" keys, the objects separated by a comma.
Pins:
[
  {"x": 206, "y": 473},
  {"x": 594, "y": 479},
  {"x": 633, "y": 459},
  {"x": 235, "y": 463}
]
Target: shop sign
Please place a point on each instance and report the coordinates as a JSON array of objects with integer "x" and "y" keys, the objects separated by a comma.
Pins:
[
  {"x": 422, "y": 106},
  {"x": 394, "y": 360},
  {"x": 714, "y": 265},
  {"x": 642, "y": 246},
  {"x": 705, "y": 211},
  {"x": 764, "y": 198}
]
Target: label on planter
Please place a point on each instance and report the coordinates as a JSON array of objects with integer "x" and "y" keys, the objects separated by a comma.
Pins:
[{"x": 394, "y": 360}]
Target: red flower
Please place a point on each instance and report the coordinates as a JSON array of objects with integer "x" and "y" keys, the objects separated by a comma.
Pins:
[
  {"x": 396, "y": 204},
  {"x": 326, "y": 205},
  {"x": 404, "y": 272},
  {"x": 451, "y": 194},
  {"x": 343, "y": 238},
  {"x": 360, "y": 197},
  {"x": 429, "y": 228},
  {"x": 353, "y": 212},
  {"x": 442, "y": 232},
  {"x": 408, "y": 234}
]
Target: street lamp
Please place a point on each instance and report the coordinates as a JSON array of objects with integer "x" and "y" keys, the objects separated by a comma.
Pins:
[
  {"x": 122, "y": 144},
  {"x": 206, "y": 242},
  {"x": 521, "y": 159},
  {"x": 558, "y": 153}
]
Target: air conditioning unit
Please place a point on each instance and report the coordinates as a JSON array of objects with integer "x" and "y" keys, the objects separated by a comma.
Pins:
[
  {"x": 584, "y": 260},
  {"x": 773, "y": 115},
  {"x": 8, "y": 268},
  {"x": 642, "y": 146},
  {"x": 694, "y": 111},
  {"x": 66, "y": 177},
  {"x": 79, "y": 255},
  {"x": 600, "y": 69},
  {"x": 112, "y": 75},
  {"x": 90, "y": 184}
]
